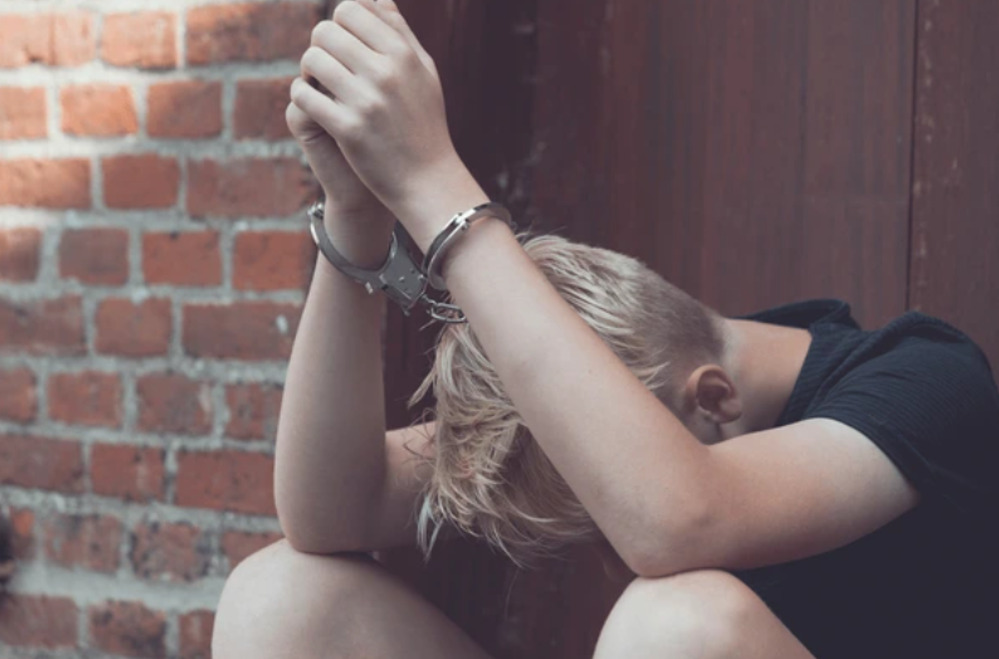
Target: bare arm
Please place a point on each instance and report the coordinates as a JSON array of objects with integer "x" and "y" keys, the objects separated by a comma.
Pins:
[{"x": 330, "y": 455}]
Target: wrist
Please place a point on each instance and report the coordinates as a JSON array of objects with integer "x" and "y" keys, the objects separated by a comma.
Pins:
[
  {"x": 432, "y": 199},
  {"x": 362, "y": 238}
]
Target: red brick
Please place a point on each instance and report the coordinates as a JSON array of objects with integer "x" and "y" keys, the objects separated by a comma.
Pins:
[
  {"x": 241, "y": 330},
  {"x": 18, "y": 395},
  {"x": 96, "y": 256},
  {"x": 260, "y": 108},
  {"x": 90, "y": 398},
  {"x": 140, "y": 181},
  {"x": 169, "y": 552},
  {"x": 253, "y": 410},
  {"x": 19, "y": 253},
  {"x": 22, "y": 526},
  {"x": 133, "y": 329},
  {"x": 65, "y": 39},
  {"x": 88, "y": 541},
  {"x": 273, "y": 260},
  {"x": 237, "y": 545},
  {"x": 22, "y": 113},
  {"x": 172, "y": 403},
  {"x": 39, "y": 621},
  {"x": 128, "y": 628},
  {"x": 249, "y": 32},
  {"x": 147, "y": 40},
  {"x": 226, "y": 480},
  {"x": 98, "y": 110},
  {"x": 196, "y": 634},
  {"x": 42, "y": 463},
  {"x": 42, "y": 327},
  {"x": 248, "y": 187},
  {"x": 191, "y": 258},
  {"x": 63, "y": 183},
  {"x": 185, "y": 109},
  {"x": 132, "y": 473}
]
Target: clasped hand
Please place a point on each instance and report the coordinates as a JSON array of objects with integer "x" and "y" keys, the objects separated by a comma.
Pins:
[{"x": 385, "y": 112}]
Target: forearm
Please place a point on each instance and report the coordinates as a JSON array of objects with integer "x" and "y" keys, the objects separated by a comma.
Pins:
[
  {"x": 330, "y": 454},
  {"x": 635, "y": 468}
]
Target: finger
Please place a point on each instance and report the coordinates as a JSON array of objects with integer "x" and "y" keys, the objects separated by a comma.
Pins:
[
  {"x": 330, "y": 73},
  {"x": 318, "y": 107},
  {"x": 336, "y": 40},
  {"x": 369, "y": 28},
  {"x": 389, "y": 12}
]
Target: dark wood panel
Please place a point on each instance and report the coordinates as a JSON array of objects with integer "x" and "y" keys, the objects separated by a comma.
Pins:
[
  {"x": 753, "y": 153},
  {"x": 955, "y": 242}
]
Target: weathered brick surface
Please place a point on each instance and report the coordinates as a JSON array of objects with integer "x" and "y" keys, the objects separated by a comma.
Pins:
[
  {"x": 260, "y": 108},
  {"x": 20, "y": 253},
  {"x": 172, "y": 403},
  {"x": 98, "y": 110},
  {"x": 143, "y": 160},
  {"x": 251, "y": 187},
  {"x": 187, "y": 109},
  {"x": 42, "y": 327},
  {"x": 63, "y": 39},
  {"x": 41, "y": 462},
  {"x": 242, "y": 330},
  {"x": 253, "y": 410},
  {"x": 160, "y": 551},
  {"x": 254, "y": 32},
  {"x": 96, "y": 256},
  {"x": 196, "y": 634},
  {"x": 39, "y": 621},
  {"x": 22, "y": 113},
  {"x": 189, "y": 258},
  {"x": 226, "y": 480},
  {"x": 131, "y": 329},
  {"x": 273, "y": 260},
  {"x": 146, "y": 40},
  {"x": 90, "y": 398},
  {"x": 88, "y": 541},
  {"x": 237, "y": 545},
  {"x": 128, "y": 628},
  {"x": 127, "y": 472},
  {"x": 140, "y": 181},
  {"x": 62, "y": 183}
]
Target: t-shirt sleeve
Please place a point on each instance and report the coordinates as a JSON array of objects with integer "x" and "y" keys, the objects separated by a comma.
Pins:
[{"x": 933, "y": 408}]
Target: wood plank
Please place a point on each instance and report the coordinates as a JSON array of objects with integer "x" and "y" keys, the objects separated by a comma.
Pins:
[
  {"x": 753, "y": 153},
  {"x": 955, "y": 241}
]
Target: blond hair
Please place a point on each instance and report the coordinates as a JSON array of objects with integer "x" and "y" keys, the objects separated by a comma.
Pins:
[{"x": 489, "y": 477}]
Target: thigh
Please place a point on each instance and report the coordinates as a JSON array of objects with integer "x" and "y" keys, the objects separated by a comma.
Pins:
[{"x": 282, "y": 603}]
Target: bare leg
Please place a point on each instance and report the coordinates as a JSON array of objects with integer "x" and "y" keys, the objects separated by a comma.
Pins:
[
  {"x": 707, "y": 614},
  {"x": 282, "y": 603}
]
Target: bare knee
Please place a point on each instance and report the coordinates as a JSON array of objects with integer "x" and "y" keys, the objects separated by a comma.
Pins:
[
  {"x": 281, "y": 602},
  {"x": 705, "y": 613}
]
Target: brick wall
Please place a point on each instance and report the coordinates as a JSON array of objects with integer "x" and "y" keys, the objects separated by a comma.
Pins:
[{"x": 153, "y": 262}]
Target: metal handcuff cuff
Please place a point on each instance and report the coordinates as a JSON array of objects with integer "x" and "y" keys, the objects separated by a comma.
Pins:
[{"x": 402, "y": 280}]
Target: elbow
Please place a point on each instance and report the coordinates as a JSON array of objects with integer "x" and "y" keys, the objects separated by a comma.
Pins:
[
  {"x": 323, "y": 544},
  {"x": 664, "y": 548}
]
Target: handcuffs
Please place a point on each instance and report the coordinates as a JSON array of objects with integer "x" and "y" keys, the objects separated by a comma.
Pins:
[{"x": 402, "y": 280}]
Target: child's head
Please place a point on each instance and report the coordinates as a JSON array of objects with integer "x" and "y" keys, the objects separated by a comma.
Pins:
[{"x": 490, "y": 478}]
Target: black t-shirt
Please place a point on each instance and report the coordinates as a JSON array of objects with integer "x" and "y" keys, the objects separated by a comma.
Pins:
[{"x": 925, "y": 585}]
